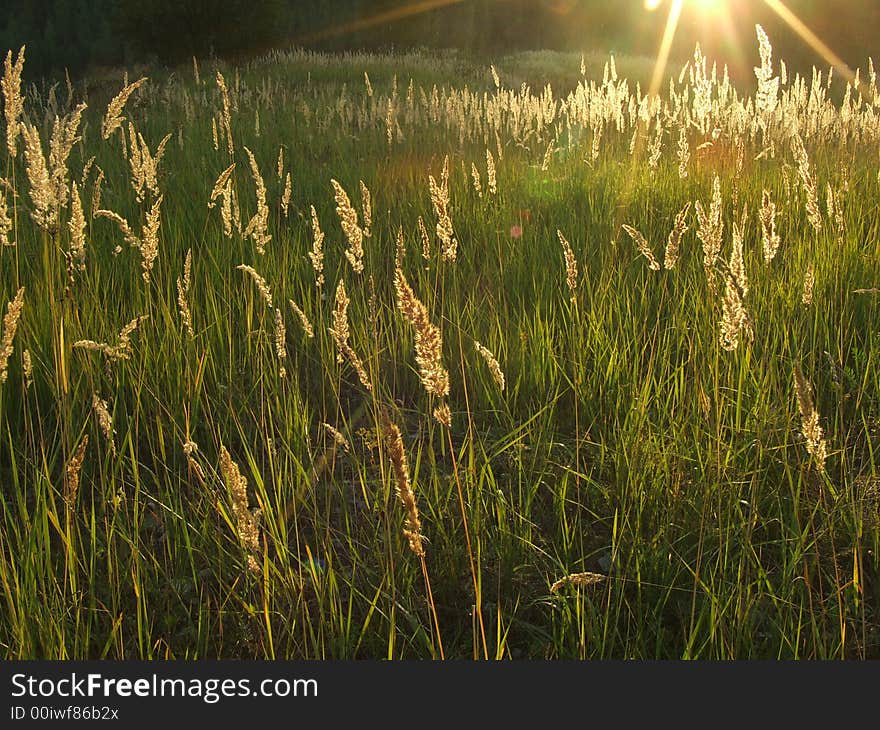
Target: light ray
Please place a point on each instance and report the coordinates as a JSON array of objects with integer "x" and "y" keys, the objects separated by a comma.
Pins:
[
  {"x": 389, "y": 16},
  {"x": 665, "y": 47},
  {"x": 808, "y": 36}
]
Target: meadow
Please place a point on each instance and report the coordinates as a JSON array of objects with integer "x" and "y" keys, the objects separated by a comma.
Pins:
[{"x": 403, "y": 356}]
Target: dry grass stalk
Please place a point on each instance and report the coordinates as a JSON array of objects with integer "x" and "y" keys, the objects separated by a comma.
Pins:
[
  {"x": 121, "y": 350},
  {"x": 226, "y": 116},
  {"x": 440, "y": 201},
  {"x": 810, "y": 428},
  {"x": 279, "y": 167},
  {"x": 735, "y": 318},
  {"x": 48, "y": 176},
  {"x": 105, "y": 420},
  {"x": 443, "y": 415},
  {"x": 306, "y": 325},
  {"x": 494, "y": 367},
  {"x": 148, "y": 242},
  {"x": 46, "y": 210},
  {"x": 769, "y": 237},
  {"x": 684, "y": 154},
  {"x": 13, "y": 104},
  {"x": 280, "y": 342},
  {"x": 643, "y": 246},
  {"x": 190, "y": 447},
  {"x": 579, "y": 580},
  {"x": 766, "y": 97},
  {"x": 220, "y": 186},
  {"x": 286, "y": 195},
  {"x": 340, "y": 440},
  {"x": 72, "y": 470},
  {"x": 27, "y": 367},
  {"x": 428, "y": 340},
  {"x": 149, "y": 247},
  {"x": 366, "y": 208},
  {"x": 492, "y": 181},
  {"x": 260, "y": 283},
  {"x": 809, "y": 283},
  {"x": 348, "y": 218},
  {"x": 571, "y": 270},
  {"x": 247, "y": 521},
  {"x": 399, "y": 248},
  {"x": 737, "y": 264},
  {"x": 77, "y": 226},
  {"x": 144, "y": 164},
  {"x": 96, "y": 193},
  {"x": 711, "y": 231},
  {"x": 5, "y": 220},
  {"x": 258, "y": 226},
  {"x": 113, "y": 118},
  {"x": 10, "y": 325},
  {"x": 478, "y": 185},
  {"x": 673, "y": 243},
  {"x": 402, "y": 485},
  {"x": 814, "y": 214},
  {"x": 340, "y": 333},
  {"x": 316, "y": 255},
  {"x": 182, "y": 291},
  {"x": 426, "y": 240}
]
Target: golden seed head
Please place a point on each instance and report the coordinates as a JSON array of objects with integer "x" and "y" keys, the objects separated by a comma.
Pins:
[
  {"x": 316, "y": 255},
  {"x": 643, "y": 246},
  {"x": 10, "y": 325},
  {"x": 494, "y": 367},
  {"x": 247, "y": 521},
  {"x": 429, "y": 342},
  {"x": 260, "y": 283},
  {"x": 13, "y": 104},
  {"x": 306, "y": 325},
  {"x": 673, "y": 243},
  {"x": 113, "y": 118},
  {"x": 571, "y": 270},
  {"x": 71, "y": 472},
  {"x": 402, "y": 485},
  {"x": 579, "y": 580},
  {"x": 810, "y": 428},
  {"x": 348, "y": 218}
]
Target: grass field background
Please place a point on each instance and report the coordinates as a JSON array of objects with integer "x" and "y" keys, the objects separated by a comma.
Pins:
[{"x": 637, "y": 489}]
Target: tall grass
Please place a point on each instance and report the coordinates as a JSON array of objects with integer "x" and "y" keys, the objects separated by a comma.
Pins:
[{"x": 598, "y": 474}]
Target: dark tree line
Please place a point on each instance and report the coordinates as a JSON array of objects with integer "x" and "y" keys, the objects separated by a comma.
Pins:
[{"x": 81, "y": 34}]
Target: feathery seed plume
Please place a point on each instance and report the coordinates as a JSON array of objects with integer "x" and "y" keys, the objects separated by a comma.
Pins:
[
  {"x": 316, "y": 255},
  {"x": 579, "y": 580},
  {"x": 105, "y": 420},
  {"x": 247, "y": 520},
  {"x": 643, "y": 246},
  {"x": 428, "y": 340},
  {"x": 810, "y": 428},
  {"x": 571, "y": 270},
  {"x": 348, "y": 217},
  {"x": 113, "y": 118},
  {"x": 10, "y": 325},
  {"x": 306, "y": 325},
  {"x": 71, "y": 472},
  {"x": 258, "y": 226},
  {"x": 13, "y": 104},
  {"x": 402, "y": 485},
  {"x": 494, "y": 367},
  {"x": 260, "y": 282},
  {"x": 679, "y": 228}
]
